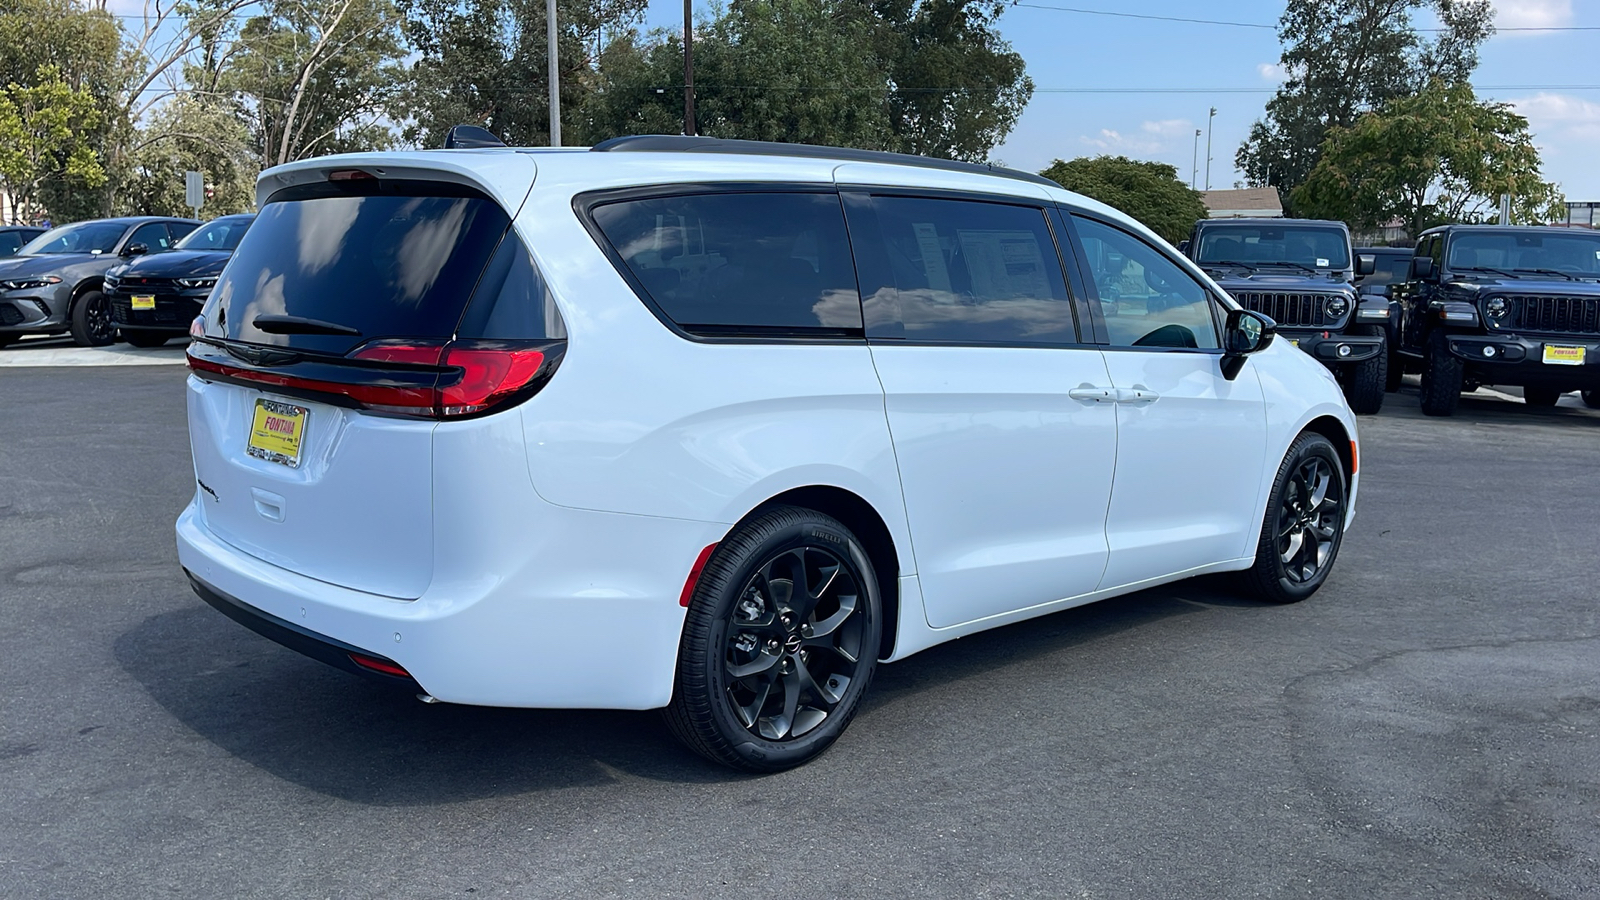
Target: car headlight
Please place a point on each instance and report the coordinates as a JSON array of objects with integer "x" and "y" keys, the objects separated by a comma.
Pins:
[
  {"x": 1338, "y": 306},
  {"x": 23, "y": 284},
  {"x": 1497, "y": 307},
  {"x": 196, "y": 283}
]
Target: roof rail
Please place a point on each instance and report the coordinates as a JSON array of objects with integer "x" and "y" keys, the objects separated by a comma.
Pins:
[{"x": 682, "y": 143}]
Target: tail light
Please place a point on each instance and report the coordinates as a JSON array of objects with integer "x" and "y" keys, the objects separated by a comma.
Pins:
[{"x": 433, "y": 380}]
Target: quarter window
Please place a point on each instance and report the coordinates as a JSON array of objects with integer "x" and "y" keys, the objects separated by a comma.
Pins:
[
  {"x": 740, "y": 263},
  {"x": 1147, "y": 300},
  {"x": 962, "y": 271}
]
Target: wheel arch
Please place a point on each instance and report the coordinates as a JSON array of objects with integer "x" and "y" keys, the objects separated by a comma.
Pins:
[
  {"x": 868, "y": 525},
  {"x": 1334, "y": 430},
  {"x": 92, "y": 283}
]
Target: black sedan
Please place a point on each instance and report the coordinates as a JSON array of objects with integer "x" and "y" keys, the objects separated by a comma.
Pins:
[
  {"x": 155, "y": 298},
  {"x": 12, "y": 237}
]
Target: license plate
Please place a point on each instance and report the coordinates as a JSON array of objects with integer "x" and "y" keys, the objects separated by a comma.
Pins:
[
  {"x": 144, "y": 302},
  {"x": 276, "y": 432},
  {"x": 1555, "y": 355}
]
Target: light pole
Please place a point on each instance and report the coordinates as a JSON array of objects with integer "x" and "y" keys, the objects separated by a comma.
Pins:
[
  {"x": 688, "y": 67},
  {"x": 555, "y": 73},
  {"x": 1212, "y": 120},
  {"x": 1194, "y": 162}
]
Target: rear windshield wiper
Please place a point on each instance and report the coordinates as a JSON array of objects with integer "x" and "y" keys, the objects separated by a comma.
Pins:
[
  {"x": 273, "y": 324},
  {"x": 1484, "y": 269},
  {"x": 1567, "y": 275}
]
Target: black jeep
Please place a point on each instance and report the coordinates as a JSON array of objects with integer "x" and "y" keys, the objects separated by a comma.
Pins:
[
  {"x": 1503, "y": 305},
  {"x": 1300, "y": 273}
]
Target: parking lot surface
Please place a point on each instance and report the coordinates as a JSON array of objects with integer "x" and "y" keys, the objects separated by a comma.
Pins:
[{"x": 1427, "y": 725}]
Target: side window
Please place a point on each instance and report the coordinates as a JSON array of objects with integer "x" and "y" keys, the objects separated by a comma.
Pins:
[
  {"x": 10, "y": 242},
  {"x": 1436, "y": 250},
  {"x": 1147, "y": 300},
  {"x": 153, "y": 235},
  {"x": 740, "y": 263},
  {"x": 962, "y": 271},
  {"x": 179, "y": 230}
]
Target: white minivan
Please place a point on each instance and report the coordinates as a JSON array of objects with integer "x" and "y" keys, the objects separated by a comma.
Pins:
[{"x": 720, "y": 426}]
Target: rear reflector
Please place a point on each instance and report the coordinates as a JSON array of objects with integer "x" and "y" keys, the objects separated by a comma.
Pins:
[
  {"x": 694, "y": 576},
  {"x": 379, "y": 665}
]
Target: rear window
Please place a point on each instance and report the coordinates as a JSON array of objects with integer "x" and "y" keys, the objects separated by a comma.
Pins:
[
  {"x": 740, "y": 263},
  {"x": 385, "y": 263}
]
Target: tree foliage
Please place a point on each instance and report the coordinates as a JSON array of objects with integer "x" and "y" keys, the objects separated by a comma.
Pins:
[
  {"x": 1440, "y": 156},
  {"x": 1150, "y": 192},
  {"x": 1342, "y": 58},
  {"x": 191, "y": 133},
  {"x": 42, "y": 137}
]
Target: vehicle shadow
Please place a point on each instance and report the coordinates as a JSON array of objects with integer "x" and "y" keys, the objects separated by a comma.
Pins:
[
  {"x": 349, "y": 738},
  {"x": 1493, "y": 407}
]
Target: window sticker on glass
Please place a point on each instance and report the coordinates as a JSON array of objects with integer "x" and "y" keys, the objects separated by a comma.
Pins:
[
  {"x": 1004, "y": 263},
  {"x": 932, "y": 256},
  {"x": 1321, "y": 263}
]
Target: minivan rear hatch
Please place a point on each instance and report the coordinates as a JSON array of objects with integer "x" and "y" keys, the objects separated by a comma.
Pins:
[{"x": 357, "y": 313}]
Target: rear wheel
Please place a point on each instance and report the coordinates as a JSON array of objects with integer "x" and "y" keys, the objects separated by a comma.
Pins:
[
  {"x": 1536, "y": 396},
  {"x": 1304, "y": 524},
  {"x": 7, "y": 340},
  {"x": 1367, "y": 383},
  {"x": 1442, "y": 378},
  {"x": 1591, "y": 399},
  {"x": 145, "y": 338},
  {"x": 779, "y": 645},
  {"x": 91, "y": 321}
]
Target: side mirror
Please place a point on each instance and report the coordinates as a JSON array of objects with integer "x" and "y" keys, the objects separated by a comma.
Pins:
[
  {"x": 1183, "y": 247},
  {"x": 1245, "y": 333},
  {"x": 1366, "y": 264},
  {"x": 1421, "y": 268},
  {"x": 135, "y": 250}
]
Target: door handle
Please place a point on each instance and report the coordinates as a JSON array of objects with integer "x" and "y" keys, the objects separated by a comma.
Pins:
[
  {"x": 1137, "y": 395},
  {"x": 1093, "y": 395}
]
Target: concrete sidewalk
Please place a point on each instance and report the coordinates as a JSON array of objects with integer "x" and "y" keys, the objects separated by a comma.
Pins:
[{"x": 62, "y": 352}]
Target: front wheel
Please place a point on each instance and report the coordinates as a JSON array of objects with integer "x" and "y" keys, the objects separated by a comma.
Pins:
[
  {"x": 1591, "y": 399},
  {"x": 780, "y": 643},
  {"x": 91, "y": 321},
  {"x": 1536, "y": 396},
  {"x": 1442, "y": 378},
  {"x": 1304, "y": 524},
  {"x": 8, "y": 339},
  {"x": 1367, "y": 383}
]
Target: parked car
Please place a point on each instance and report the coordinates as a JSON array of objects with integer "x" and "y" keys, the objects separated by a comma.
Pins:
[
  {"x": 1503, "y": 305},
  {"x": 155, "y": 297},
  {"x": 12, "y": 237},
  {"x": 717, "y": 426},
  {"x": 1389, "y": 267},
  {"x": 1300, "y": 273},
  {"x": 54, "y": 283}
]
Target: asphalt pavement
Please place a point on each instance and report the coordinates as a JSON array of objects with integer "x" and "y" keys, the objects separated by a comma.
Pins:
[{"x": 1428, "y": 725}]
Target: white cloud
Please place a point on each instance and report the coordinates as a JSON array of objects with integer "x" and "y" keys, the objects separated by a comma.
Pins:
[
  {"x": 1559, "y": 119},
  {"x": 1532, "y": 14},
  {"x": 1111, "y": 141},
  {"x": 1273, "y": 72},
  {"x": 1169, "y": 127}
]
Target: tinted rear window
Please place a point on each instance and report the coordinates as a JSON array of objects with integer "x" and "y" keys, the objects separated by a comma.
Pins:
[
  {"x": 387, "y": 265},
  {"x": 740, "y": 263}
]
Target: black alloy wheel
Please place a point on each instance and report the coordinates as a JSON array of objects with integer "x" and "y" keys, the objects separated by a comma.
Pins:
[
  {"x": 780, "y": 643},
  {"x": 1304, "y": 524},
  {"x": 91, "y": 321},
  {"x": 1538, "y": 396}
]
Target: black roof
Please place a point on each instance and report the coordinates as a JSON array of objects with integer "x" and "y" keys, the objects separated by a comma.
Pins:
[
  {"x": 1515, "y": 229},
  {"x": 1269, "y": 220},
  {"x": 681, "y": 143}
]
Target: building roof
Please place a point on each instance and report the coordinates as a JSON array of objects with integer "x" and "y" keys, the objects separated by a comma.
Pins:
[{"x": 1245, "y": 201}]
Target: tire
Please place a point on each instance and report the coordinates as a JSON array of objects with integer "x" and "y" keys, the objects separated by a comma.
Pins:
[
  {"x": 1441, "y": 378},
  {"x": 1395, "y": 372},
  {"x": 1591, "y": 399},
  {"x": 1538, "y": 396},
  {"x": 1367, "y": 384},
  {"x": 8, "y": 339},
  {"x": 760, "y": 686},
  {"x": 91, "y": 321},
  {"x": 1303, "y": 527},
  {"x": 145, "y": 338}
]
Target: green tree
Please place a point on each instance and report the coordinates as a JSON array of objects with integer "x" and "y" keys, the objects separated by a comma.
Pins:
[
  {"x": 1345, "y": 57},
  {"x": 1148, "y": 191},
  {"x": 191, "y": 132},
  {"x": 42, "y": 129},
  {"x": 1440, "y": 156}
]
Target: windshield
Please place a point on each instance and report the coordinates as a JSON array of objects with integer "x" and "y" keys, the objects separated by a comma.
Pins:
[
  {"x": 1574, "y": 252},
  {"x": 217, "y": 234},
  {"x": 1306, "y": 245},
  {"x": 80, "y": 237}
]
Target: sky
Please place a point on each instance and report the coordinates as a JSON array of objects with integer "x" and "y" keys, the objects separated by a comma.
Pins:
[{"x": 1141, "y": 87}]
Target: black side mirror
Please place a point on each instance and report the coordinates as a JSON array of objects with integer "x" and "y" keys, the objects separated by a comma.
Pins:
[
  {"x": 1421, "y": 268},
  {"x": 1366, "y": 264},
  {"x": 135, "y": 250},
  {"x": 1245, "y": 333}
]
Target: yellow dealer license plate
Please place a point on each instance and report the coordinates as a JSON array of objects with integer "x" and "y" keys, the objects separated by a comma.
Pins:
[
  {"x": 144, "y": 301},
  {"x": 1555, "y": 355},
  {"x": 276, "y": 432}
]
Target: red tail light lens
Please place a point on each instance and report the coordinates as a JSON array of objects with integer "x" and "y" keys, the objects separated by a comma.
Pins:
[{"x": 379, "y": 665}]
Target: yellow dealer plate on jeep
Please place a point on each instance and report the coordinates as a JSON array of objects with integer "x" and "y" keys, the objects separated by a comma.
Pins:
[
  {"x": 1556, "y": 355},
  {"x": 276, "y": 432},
  {"x": 144, "y": 301}
]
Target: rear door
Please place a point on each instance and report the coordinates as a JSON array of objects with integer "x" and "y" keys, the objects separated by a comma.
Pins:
[
  {"x": 303, "y": 478},
  {"x": 1001, "y": 425}
]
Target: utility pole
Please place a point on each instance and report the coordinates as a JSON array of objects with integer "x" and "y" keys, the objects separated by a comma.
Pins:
[
  {"x": 688, "y": 67},
  {"x": 555, "y": 74},
  {"x": 1209, "y": 123},
  {"x": 1194, "y": 162}
]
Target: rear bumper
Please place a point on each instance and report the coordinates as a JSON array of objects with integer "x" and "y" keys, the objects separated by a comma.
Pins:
[
  {"x": 1516, "y": 360},
  {"x": 1331, "y": 349},
  {"x": 586, "y": 617}
]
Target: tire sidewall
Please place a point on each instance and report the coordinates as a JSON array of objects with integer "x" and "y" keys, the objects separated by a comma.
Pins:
[
  {"x": 80, "y": 321},
  {"x": 1305, "y": 448}
]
